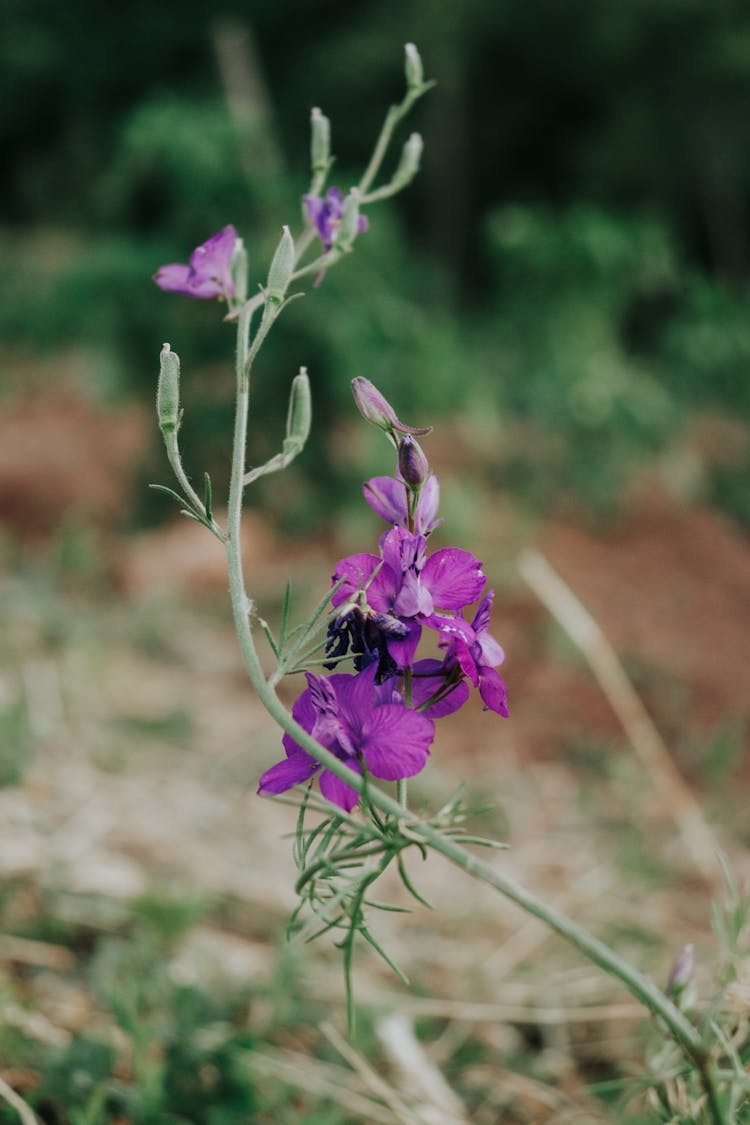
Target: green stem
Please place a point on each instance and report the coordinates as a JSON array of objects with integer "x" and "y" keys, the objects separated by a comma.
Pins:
[
  {"x": 643, "y": 989},
  {"x": 173, "y": 455},
  {"x": 392, "y": 118}
]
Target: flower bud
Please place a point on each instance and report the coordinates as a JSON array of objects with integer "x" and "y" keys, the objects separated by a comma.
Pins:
[
  {"x": 349, "y": 227},
  {"x": 372, "y": 405},
  {"x": 682, "y": 971},
  {"x": 413, "y": 67},
  {"x": 238, "y": 270},
  {"x": 411, "y": 154},
  {"x": 282, "y": 267},
  {"x": 168, "y": 390},
  {"x": 375, "y": 408},
  {"x": 299, "y": 415},
  {"x": 412, "y": 463},
  {"x": 320, "y": 141}
]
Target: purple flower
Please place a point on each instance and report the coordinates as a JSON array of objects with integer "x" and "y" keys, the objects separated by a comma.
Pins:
[
  {"x": 208, "y": 274},
  {"x": 325, "y": 215},
  {"x": 408, "y": 585},
  {"x": 473, "y": 650},
  {"x": 363, "y": 724},
  {"x": 387, "y": 498}
]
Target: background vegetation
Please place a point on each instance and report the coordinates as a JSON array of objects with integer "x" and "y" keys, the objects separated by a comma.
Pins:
[
  {"x": 563, "y": 291},
  {"x": 574, "y": 259}
]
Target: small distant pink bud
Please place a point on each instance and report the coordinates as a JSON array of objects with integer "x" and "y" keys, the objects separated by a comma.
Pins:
[
  {"x": 376, "y": 409},
  {"x": 682, "y": 971}
]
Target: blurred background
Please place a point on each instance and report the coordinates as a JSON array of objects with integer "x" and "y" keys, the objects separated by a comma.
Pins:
[{"x": 563, "y": 294}]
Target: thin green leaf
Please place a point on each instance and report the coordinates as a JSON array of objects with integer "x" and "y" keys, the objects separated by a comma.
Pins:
[
  {"x": 382, "y": 953},
  {"x": 269, "y": 637},
  {"x": 481, "y": 841},
  {"x": 207, "y": 496},
  {"x": 389, "y": 907},
  {"x": 406, "y": 880},
  {"x": 169, "y": 491},
  {"x": 284, "y": 623}
]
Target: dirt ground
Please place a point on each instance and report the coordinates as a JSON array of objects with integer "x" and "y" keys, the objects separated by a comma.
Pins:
[{"x": 145, "y": 744}]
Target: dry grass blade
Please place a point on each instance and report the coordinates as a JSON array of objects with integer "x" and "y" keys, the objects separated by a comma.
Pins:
[
  {"x": 16, "y": 1102},
  {"x": 320, "y": 1080},
  {"x": 438, "y": 1104},
  {"x": 645, "y": 739},
  {"x": 369, "y": 1076},
  {"x": 27, "y": 951}
]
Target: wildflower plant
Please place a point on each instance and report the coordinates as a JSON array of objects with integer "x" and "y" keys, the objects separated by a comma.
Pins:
[{"x": 367, "y": 714}]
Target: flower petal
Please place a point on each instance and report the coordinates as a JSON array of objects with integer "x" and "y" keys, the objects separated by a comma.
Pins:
[
  {"x": 402, "y": 649},
  {"x": 427, "y": 506},
  {"x": 429, "y": 677},
  {"x": 387, "y": 498},
  {"x": 454, "y": 578},
  {"x": 173, "y": 278},
  {"x": 396, "y": 741},
  {"x": 338, "y": 792},
  {"x": 291, "y": 771},
  {"x": 356, "y": 570},
  {"x": 493, "y": 691}
]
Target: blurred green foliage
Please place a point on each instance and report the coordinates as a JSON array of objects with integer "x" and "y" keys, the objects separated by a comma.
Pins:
[{"x": 572, "y": 264}]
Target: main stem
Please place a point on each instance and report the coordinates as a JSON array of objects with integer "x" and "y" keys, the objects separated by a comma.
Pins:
[{"x": 600, "y": 954}]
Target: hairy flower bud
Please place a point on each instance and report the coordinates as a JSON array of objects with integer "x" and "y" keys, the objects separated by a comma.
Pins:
[
  {"x": 412, "y": 463},
  {"x": 413, "y": 67},
  {"x": 282, "y": 267},
  {"x": 375, "y": 408},
  {"x": 411, "y": 154},
  {"x": 320, "y": 141},
  {"x": 350, "y": 221},
  {"x": 168, "y": 390},
  {"x": 299, "y": 415}
]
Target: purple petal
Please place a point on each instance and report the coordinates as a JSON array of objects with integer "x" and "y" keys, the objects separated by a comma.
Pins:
[
  {"x": 454, "y": 578},
  {"x": 412, "y": 598},
  {"x": 338, "y": 792},
  {"x": 291, "y": 771},
  {"x": 427, "y": 506},
  {"x": 209, "y": 265},
  {"x": 403, "y": 649},
  {"x": 387, "y": 498},
  {"x": 303, "y": 713},
  {"x": 493, "y": 691},
  {"x": 481, "y": 620},
  {"x": 173, "y": 278},
  {"x": 356, "y": 570},
  {"x": 396, "y": 742},
  {"x": 313, "y": 208},
  {"x": 492, "y": 653},
  {"x": 429, "y": 677}
]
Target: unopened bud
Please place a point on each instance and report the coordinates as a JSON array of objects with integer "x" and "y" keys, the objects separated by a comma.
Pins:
[
  {"x": 299, "y": 415},
  {"x": 412, "y": 463},
  {"x": 375, "y": 408},
  {"x": 411, "y": 154},
  {"x": 168, "y": 390},
  {"x": 349, "y": 227},
  {"x": 682, "y": 971},
  {"x": 238, "y": 269},
  {"x": 282, "y": 267},
  {"x": 320, "y": 141},
  {"x": 413, "y": 67}
]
